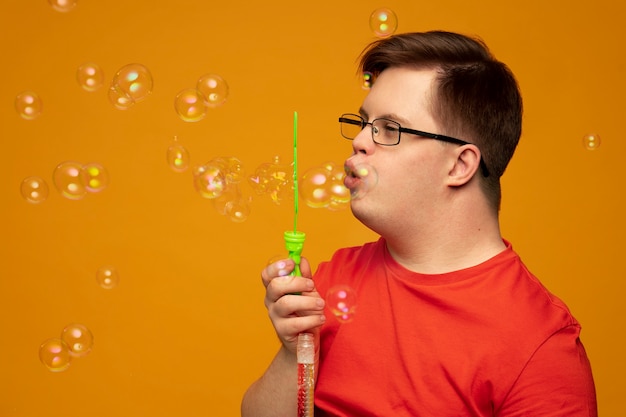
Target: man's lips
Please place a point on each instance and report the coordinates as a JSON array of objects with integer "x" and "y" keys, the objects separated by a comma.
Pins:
[{"x": 352, "y": 179}]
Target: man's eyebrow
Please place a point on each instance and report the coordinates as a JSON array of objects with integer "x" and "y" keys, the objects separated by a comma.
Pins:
[{"x": 390, "y": 116}]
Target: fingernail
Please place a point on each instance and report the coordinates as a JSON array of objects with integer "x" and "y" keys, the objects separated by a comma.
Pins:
[{"x": 319, "y": 302}]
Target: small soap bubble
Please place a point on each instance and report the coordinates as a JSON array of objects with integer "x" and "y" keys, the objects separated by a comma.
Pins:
[
  {"x": 178, "y": 158},
  {"x": 238, "y": 210},
  {"x": 364, "y": 179},
  {"x": 341, "y": 299},
  {"x": 55, "y": 355},
  {"x": 221, "y": 202},
  {"x": 383, "y": 22},
  {"x": 234, "y": 170},
  {"x": 190, "y": 105},
  {"x": 368, "y": 80},
  {"x": 69, "y": 180},
  {"x": 107, "y": 277},
  {"x": 213, "y": 88},
  {"x": 314, "y": 187},
  {"x": 95, "y": 177},
  {"x": 209, "y": 180},
  {"x": 28, "y": 105},
  {"x": 591, "y": 141},
  {"x": 89, "y": 76},
  {"x": 63, "y": 6},
  {"x": 78, "y": 339},
  {"x": 34, "y": 189},
  {"x": 131, "y": 84}
]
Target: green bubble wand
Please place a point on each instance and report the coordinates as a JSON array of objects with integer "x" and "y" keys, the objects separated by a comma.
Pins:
[{"x": 294, "y": 240}]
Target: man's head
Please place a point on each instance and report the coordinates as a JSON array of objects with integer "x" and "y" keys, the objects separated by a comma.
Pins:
[{"x": 475, "y": 97}]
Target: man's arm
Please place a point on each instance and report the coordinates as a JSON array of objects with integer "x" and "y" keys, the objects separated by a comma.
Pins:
[{"x": 275, "y": 393}]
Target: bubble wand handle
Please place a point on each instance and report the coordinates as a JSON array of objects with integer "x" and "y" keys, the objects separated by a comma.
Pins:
[{"x": 294, "y": 240}]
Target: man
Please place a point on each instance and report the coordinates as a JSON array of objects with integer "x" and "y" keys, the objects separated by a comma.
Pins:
[{"x": 449, "y": 320}]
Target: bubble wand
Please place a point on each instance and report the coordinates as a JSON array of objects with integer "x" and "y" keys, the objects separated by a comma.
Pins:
[{"x": 294, "y": 240}]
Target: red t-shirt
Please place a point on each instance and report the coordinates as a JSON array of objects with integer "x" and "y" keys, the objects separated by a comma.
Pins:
[{"x": 489, "y": 340}]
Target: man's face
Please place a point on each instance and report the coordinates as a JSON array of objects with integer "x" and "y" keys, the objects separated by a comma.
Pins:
[{"x": 411, "y": 174}]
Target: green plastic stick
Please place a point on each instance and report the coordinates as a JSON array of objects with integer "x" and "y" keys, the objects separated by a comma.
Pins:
[{"x": 294, "y": 240}]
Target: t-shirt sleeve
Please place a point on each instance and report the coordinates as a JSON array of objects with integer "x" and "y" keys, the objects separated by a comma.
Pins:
[{"x": 556, "y": 382}]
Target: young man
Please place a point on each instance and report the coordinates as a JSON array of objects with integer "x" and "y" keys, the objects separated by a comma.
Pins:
[{"x": 450, "y": 322}]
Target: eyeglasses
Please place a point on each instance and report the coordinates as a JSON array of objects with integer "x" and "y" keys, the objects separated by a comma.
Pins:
[{"x": 387, "y": 133}]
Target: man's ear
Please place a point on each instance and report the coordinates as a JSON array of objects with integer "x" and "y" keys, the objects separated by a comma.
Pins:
[{"x": 467, "y": 163}]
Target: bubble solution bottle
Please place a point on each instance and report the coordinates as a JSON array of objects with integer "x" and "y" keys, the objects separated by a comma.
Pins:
[{"x": 306, "y": 374}]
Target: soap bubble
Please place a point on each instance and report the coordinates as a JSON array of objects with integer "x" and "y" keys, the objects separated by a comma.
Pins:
[
  {"x": 238, "y": 210},
  {"x": 178, "y": 158},
  {"x": 119, "y": 98},
  {"x": 341, "y": 299},
  {"x": 131, "y": 84},
  {"x": 34, "y": 190},
  {"x": 28, "y": 105},
  {"x": 107, "y": 277},
  {"x": 591, "y": 141},
  {"x": 363, "y": 179},
  {"x": 95, "y": 177},
  {"x": 234, "y": 170},
  {"x": 383, "y": 22},
  {"x": 190, "y": 105},
  {"x": 55, "y": 355},
  {"x": 368, "y": 80},
  {"x": 213, "y": 88},
  {"x": 313, "y": 187},
  {"x": 69, "y": 181},
  {"x": 89, "y": 76},
  {"x": 78, "y": 339},
  {"x": 209, "y": 179},
  {"x": 62, "y": 5},
  {"x": 339, "y": 193}
]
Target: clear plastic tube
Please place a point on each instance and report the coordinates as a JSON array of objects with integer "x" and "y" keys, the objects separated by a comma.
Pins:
[{"x": 306, "y": 374}]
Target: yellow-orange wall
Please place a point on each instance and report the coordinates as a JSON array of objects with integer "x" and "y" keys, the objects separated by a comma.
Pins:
[{"x": 185, "y": 331}]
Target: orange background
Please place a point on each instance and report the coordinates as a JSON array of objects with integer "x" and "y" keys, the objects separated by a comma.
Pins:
[{"x": 185, "y": 331}]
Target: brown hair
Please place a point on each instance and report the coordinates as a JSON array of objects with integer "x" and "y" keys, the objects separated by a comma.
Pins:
[{"x": 476, "y": 98}]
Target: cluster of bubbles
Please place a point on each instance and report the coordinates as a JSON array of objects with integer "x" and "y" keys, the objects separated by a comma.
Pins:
[
  {"x": 273, "y": 179},
  {"x": 221, "y": 180},
  {"x": 192, "y": 104},
  {"x": 56, "y": 353},
  {"x": 72, "y": 180},
  {"x": 342, "y": 301},
  {"x": 322, "y": 187},
  {"x": 63, "y": 6},
  {"x": 218, "y": 180},
  {"x": 131, "y": 84}
]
